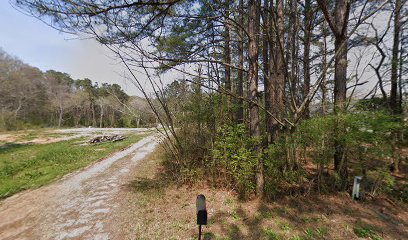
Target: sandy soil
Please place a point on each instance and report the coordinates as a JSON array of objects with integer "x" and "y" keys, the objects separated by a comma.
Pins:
[{"x": 79, "y": 206}]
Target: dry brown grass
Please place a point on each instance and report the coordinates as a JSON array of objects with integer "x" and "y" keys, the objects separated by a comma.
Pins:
[
  {"x": 161, "y": 210},
  {"x": 33, "y": 136}
]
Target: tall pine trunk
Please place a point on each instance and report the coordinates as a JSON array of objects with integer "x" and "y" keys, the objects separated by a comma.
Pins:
[
  {"x": 340, "y": 157},
  {"x": 324, "y": 73},
  {"x": 338, "y": 26},
  {"x": 269, "y": 90},
  {"x": 265, "y": 61},
  {"x": 340, "y": 84},
  {"x": 306, "y": 53},
  {"x": 240, "y": 79},
  {"x": 395, "y": 109},
  {"x": 254, "y": 121},
  {"x": 227, "y": 53},
  {"x": 277, "y": 87},
  {"x": 294, "y": 52}
]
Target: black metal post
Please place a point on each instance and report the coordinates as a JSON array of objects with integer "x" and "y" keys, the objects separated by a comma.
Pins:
[
  {"x": 201, "y": 213},
  {"x": 199, "y": 232}
]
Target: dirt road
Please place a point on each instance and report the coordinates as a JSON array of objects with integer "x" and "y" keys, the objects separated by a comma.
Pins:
[{"x": 79, "y": 206}]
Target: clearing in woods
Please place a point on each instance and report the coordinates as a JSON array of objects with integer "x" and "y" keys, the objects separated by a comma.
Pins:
[{"x": 78, "y": 205}]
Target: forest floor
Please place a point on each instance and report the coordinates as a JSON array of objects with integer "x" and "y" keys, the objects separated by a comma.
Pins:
[{"x": 161, "y": 210}]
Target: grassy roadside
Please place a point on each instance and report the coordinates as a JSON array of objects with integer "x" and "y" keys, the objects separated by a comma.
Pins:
[
  {"x": 162, "y": 210},
  {"x": 24, "y": 166}
]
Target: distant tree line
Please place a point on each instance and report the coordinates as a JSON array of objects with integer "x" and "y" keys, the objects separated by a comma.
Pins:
[{"x": 30, "y": 97}]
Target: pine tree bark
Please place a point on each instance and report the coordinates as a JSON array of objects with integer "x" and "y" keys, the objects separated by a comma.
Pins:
[
  {"x": 338, "y": 26},
  {"x": 324, "y": 73},
  {"x": 240, "y": 79},
  {"x": 294, "y": 50},
  {"x": 401, "y": 63},
  {"x": 265, "y": 60},
  {"x": 227, "y": 50},
  {"x": 254, "y": 121},
  {"x": 340, "y": 158},
  {"x": 275, "y": 90},
  {"x": 306, "y": 53},
  {"x": 269, "y": 90},
  {"x": 395, "y": 109},
  {"x": 277, "y": 87}
]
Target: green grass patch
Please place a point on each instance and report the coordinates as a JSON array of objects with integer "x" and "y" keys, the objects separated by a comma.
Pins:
[
  {"x": 235, "y": 215},
  {"x": 320, "y": 232},
  {"x": 264, "y": 214},
  {"x": 283, "y": 226},
  {"x": 364, "y": 230},
  {"x": 367, "y": 231},
  {"x": 228, "y": 201},
  {"x": 308, "y": 219},
  {"x": 309, "y": 233},
  {"x": 24, "y": 166},
  {"x": 271, "y": 234}
]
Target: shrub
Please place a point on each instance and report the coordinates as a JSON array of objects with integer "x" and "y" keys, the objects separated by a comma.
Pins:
[
  {"x": 234, "y": 157},
  {"x": 282, "y": 172},
  {"x": 366, "y": 136}
]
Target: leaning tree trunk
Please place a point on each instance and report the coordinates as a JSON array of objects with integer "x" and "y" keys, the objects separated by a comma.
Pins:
[{"x": 254, "y": 121}]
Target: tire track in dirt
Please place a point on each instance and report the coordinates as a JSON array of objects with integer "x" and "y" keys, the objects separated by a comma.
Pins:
[{"x": 75, "y": 207}]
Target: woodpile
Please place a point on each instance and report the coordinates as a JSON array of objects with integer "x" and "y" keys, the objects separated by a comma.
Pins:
[{"x": 107, "y": 138}]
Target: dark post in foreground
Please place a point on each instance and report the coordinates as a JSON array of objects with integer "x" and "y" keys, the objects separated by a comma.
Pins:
[{"x": 201, "y": 213}]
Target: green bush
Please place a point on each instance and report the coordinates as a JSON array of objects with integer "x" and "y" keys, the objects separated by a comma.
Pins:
[
  {"x": 226, "y": 156},
  {"x": 368, "y": 140},
  {"x": 235, "y": 158},
  {"x": 282, "y": 169}
]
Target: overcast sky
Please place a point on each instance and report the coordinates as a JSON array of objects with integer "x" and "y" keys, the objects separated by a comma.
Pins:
[
  {"x": 41, "y": 46},
  {"x": 44, "y": 47}
]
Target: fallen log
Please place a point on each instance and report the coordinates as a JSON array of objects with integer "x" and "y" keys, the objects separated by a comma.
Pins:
[{"x": 106, "y": 138}]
